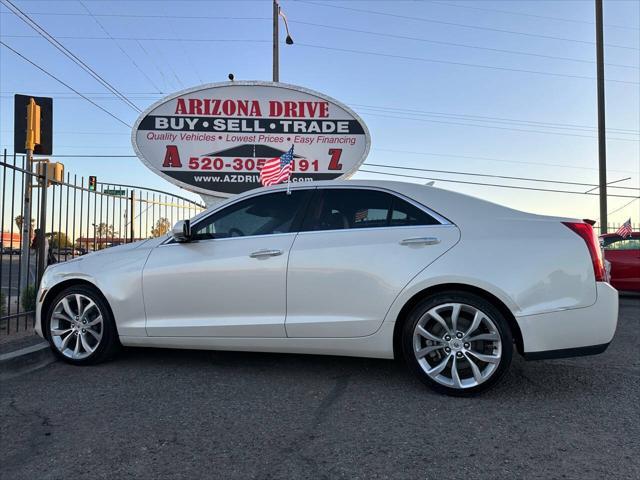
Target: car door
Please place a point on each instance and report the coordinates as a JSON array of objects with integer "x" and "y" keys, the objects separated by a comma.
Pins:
[
  {"x": 230, "y": 279},
  {"x": 357, "y": 249},
  {"x": 624, "y": 255}
]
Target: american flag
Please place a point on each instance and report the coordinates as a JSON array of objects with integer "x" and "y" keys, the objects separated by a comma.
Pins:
[
  {"x": 361, "y": 215},
  {"x": 277, "y": 170},
  {"x": 625, "y": 230}
]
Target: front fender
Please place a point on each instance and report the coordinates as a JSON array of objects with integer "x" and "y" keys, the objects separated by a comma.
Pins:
[{"x": 118, "y": 276}]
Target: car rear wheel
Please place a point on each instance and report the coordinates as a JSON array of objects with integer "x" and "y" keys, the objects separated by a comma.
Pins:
[
  {"x": 80, "y": 327},
  {"x": 457, "y": 343}
]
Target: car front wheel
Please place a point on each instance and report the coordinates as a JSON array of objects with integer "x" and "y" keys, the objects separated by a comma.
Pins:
[
  {"x": 457, "y": 343},
  {"x": 80, "y": 327}
]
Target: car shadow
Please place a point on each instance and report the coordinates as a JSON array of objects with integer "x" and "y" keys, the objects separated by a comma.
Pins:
[{"x": 547, "y": 379}]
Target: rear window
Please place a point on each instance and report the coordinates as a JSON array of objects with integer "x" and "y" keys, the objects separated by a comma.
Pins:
[{"x": 613, "y": 243}]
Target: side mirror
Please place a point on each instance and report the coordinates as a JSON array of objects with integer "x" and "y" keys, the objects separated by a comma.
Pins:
[{"x": 181, "y": 231}]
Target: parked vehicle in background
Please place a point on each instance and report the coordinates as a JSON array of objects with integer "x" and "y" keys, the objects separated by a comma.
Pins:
[
  {"x": 624, "y": 256},
  {"x": 66, "y": 251},
  {"x": 360, "y": 268}
]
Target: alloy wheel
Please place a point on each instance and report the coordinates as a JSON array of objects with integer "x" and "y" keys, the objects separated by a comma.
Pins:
[
  {"x": 76, "y": 326},
  {"x": 457, "y": 345}
]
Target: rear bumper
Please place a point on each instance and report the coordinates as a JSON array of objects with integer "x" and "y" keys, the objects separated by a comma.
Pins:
[
  {"x": 566, "y": 352},
  {"x": 570, "y": 333}
]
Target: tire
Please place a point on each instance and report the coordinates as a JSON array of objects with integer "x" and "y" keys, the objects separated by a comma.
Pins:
[
  {"x": 79, "y": 326},
  {"x": 481, "y": 337}
]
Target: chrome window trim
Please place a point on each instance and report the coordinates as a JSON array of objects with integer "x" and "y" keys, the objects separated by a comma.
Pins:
[
  {"x": 169, "y": 244},
  {"x": 443, "y": 221},
  {"x": 436, "y": 216}
]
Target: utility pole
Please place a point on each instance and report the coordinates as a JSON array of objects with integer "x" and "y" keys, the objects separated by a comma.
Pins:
[
  {"x": 276, "y": 35},
  {"x": 602, "y": 142},
  {"x": 277, "y": 12}
]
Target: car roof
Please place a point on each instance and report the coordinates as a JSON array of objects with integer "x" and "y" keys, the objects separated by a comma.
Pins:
[{"x": 457, "y": 207}]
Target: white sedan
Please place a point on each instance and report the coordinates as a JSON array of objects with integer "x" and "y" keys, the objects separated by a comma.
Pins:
[{"x": 363, "y": 268}]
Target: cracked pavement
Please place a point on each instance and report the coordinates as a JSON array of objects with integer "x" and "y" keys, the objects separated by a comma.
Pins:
[{"x": 186, "y": 414}]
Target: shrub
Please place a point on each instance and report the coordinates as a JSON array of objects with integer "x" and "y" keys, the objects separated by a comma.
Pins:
[{"x": 28, "y": 298}]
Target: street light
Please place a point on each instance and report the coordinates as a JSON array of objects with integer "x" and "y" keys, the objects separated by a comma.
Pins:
[{"x": 277, "y": 12}]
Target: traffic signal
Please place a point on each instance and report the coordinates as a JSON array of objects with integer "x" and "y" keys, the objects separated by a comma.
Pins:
[
  {"x": 33, "y": 124},
  {"x": 93, "y": 183}
]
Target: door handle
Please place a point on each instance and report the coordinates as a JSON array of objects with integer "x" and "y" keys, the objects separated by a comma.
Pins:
[
  {"x": 266, "y": 253},
  {"x": 420, "y": 241}
]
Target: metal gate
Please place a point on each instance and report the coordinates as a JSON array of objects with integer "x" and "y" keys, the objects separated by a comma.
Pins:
[{"x": 67, "y": 220}]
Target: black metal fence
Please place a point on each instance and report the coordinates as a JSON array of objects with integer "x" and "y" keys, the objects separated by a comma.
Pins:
[{"x": 67, "y": 220}]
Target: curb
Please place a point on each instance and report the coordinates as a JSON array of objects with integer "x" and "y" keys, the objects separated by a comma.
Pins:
[{"x": 25, "y": 360}]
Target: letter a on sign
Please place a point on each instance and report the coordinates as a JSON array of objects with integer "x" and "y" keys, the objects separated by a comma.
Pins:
[{"x": 172, "y": 157}]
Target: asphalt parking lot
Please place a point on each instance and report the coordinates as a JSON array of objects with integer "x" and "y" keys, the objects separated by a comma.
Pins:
[{"x": 180, "y": 414}]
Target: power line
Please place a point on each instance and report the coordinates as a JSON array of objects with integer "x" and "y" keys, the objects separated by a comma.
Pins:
[
  {"x": 66, "y": 85},
  {"x": 491, "y": 159},
  {"x": 152, "y": 39},
  {"x": 461, "y": 45},
  {"x": 516, "y": 121},
  {"x": 52, "y": 40},
  {"x": 218, "y": 17},
  {"x": 346, "y": 50},
  {"x": 496, "y": 127},
  {"x": 531, "y": 15},
  {"x": 132, "y": 15},
  {"x": 623, "y": 206},
  {"x": 462, "y": 25},
  {"x": 461, "y": 64},
  {"x": 396, "y": 110},
  {"x": 135, "y": 64},
  {"x": 334, "y": 27},
  {"x": 504, "y": 177},
  {"x": 516, "y": 187}
]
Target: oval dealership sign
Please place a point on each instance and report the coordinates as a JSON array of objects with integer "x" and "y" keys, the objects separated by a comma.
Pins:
[{"x": 214, "y": 139}]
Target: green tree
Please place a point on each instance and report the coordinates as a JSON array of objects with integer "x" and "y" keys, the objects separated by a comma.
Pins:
[
  {"x": 162, "y": 226},
  {"x": 105, "y": 230},
  {"x": 28, "y": 298},
  {"x": 59, "y": 240},
  {"x": 19, "y": 222},
  {"x": 3, "y": 304}
]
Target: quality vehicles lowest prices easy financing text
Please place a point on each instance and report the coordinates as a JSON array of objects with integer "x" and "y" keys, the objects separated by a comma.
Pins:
[{"x": 364, "y": 268}]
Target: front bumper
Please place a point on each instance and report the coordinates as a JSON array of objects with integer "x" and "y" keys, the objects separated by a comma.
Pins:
[{"x": 574, "y": 332}]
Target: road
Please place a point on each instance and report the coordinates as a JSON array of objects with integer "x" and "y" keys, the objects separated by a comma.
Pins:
[{"x": 179, "y": 414}]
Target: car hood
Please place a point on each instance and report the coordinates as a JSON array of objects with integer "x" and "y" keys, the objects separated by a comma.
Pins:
[{"x": 145, "y": 244}]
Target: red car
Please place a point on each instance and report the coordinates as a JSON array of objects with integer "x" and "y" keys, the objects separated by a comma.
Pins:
[{"x": 624, "y": 255}]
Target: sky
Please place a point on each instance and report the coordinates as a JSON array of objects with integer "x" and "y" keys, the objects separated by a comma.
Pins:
[{"x": 488, "y": 87}]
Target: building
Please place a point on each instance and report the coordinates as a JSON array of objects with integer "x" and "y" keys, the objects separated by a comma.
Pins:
[{"x": 10, "y": 239}]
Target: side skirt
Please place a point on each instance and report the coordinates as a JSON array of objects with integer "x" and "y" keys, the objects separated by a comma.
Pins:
[{"x": 378, "y": 345}]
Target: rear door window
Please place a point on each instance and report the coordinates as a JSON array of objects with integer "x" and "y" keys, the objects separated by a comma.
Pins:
[{"x": 345, "y": 208}]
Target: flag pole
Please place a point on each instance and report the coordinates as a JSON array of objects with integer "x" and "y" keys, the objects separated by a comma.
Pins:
[{"x": 290, "y": 172}]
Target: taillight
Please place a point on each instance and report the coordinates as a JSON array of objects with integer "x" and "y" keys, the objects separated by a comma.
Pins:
[{"x": 593, "y": 245}]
